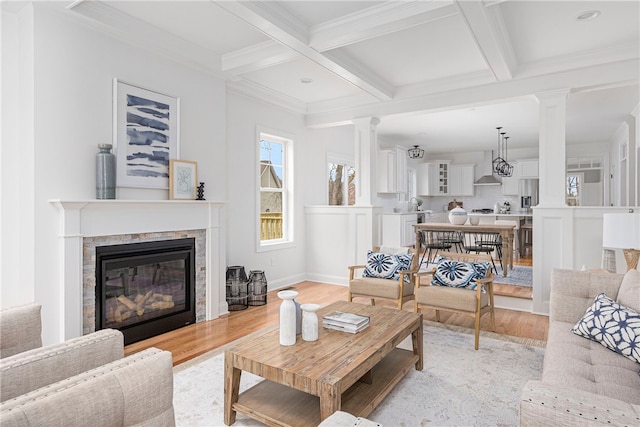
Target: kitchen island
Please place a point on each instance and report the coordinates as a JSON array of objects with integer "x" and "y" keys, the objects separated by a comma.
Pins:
[{"x": 505, "y": 231}]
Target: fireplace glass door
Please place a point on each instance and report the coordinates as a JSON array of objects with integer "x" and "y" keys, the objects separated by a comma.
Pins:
[{"x": 144, "y": 287}]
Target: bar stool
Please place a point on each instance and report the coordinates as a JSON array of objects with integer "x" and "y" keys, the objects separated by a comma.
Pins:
[{"x": 526, "y": 238}]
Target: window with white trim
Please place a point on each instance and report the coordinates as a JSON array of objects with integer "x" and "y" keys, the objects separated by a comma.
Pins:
[{"x": 275, "y": 189}]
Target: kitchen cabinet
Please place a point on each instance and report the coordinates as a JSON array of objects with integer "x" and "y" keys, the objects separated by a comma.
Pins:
[
  {"x": 442, "y": 182},
  {"x": 425, "y": 182},
  {"x": 445, "y": 179},
  {"x": 528, "y": 168},
  {"x": 392, "y": 171},
  {"x": 397, "y": 229},
  {"x": 461, "y": 180},
  {"x": 433, "y": 179}
]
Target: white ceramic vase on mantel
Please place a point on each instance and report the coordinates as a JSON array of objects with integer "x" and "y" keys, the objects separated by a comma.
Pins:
[{"x": 287, "y": 317}]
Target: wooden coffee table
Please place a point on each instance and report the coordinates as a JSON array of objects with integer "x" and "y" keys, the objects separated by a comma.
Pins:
[{"x": 309, "y": 381}]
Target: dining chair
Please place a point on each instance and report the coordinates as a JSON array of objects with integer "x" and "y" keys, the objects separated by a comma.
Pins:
[
  {"x": 482, "y": 243},
  {"x": 433, "y": 242}
]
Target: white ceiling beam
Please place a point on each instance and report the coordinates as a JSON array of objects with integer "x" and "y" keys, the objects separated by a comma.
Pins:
[
  {"x": 621, "y": 73},
  {"x": 256, "y": 57},
  {"x": 372, "y": 22},
  {"x": 274, "y": 22},
  {"x": 377, "y": 21},
  {"x": 488, "y": 32}
]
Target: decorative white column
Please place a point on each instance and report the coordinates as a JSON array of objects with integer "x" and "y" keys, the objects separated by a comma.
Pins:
[
  {"x": 552, "y": 145},
  {"x": 552, "y": 219},
  {"x": 366, "y": 147},
  {"x": 633, "y": 163}
]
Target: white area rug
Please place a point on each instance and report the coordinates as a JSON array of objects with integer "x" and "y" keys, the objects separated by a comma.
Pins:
[{"x": 458, "y": 385}]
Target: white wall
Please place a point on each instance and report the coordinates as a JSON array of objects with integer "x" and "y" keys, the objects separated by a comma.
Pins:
[
  {"x": 17, "y": 144},
  {"x": 73, "y": 68},
  {"x": 282, "y": 266}
]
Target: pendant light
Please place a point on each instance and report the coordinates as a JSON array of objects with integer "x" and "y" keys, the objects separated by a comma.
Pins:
[{"x": 416, "y": 152}]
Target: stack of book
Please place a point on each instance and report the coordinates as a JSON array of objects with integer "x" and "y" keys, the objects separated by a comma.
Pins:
[{"x": 347, "y": 322}]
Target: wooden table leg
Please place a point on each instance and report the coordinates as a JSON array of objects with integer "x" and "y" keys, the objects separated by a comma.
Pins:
[
  {"x": 330, "y": 400},
  {"x": 231, "y": 389},
  {"x": 418, "y": 342},
  {"x": 507, "y": 251}
]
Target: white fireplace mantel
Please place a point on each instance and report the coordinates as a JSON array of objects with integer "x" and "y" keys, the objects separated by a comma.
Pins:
[{"x": 88, "y": 218}]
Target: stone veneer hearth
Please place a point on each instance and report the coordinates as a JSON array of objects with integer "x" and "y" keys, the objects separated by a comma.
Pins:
[{"x": 89, "y": 269}]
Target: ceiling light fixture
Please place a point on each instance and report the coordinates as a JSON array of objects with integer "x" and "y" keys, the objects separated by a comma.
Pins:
[
  {"x": 500, "y": 164},
  {"x": 588, "y": 16},
  {"x": 416, "y": 152}
]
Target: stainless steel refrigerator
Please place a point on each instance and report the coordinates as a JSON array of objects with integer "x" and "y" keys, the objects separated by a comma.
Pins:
[{"x": 528, "y": 191}]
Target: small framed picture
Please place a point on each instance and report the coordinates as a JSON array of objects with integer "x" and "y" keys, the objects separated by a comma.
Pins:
[{"x": 183, "y": 176}]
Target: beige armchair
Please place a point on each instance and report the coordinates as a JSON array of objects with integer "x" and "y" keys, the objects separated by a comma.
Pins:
[
  {"x": 83, "y": 381},
  {"x": 398, "y": 289},
  {"x": 458, "y": 299}
]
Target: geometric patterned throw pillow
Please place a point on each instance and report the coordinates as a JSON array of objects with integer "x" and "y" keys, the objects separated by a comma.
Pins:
[
  {"x": 613, "y": 325},
  {"x": 459, "y": 274},
  {"x": 385, "y": 266}
]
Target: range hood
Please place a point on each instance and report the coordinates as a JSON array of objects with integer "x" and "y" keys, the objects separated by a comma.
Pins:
[
  {"x": 487, "y": 168},
  {"x": 488, "y": 180}
]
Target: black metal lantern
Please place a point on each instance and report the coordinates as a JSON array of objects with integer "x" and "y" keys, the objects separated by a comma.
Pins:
[{"x": 257, "y": 293}]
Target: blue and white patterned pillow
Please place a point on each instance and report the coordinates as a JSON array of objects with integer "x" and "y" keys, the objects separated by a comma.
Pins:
[
  {"x": 613, "y": 325},
  {"x": 459, "y": 274},
  {"x": 385, "y": 266}
]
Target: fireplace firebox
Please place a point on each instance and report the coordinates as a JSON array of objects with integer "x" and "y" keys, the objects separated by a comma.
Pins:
[{"x": 145, "y": 289}]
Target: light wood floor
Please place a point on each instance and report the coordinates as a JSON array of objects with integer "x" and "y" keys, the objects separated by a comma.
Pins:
[{"x": 194, "y": 340}]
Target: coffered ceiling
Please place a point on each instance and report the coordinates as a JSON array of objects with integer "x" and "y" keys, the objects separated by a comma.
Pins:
[{"x": 441, "y": 74}]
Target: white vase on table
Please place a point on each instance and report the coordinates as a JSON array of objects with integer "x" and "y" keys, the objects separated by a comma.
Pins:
[
  {"x": 458, "y": 216},
  {"x": 287, "y": 317},
  {"x": 310, "y": 322}
]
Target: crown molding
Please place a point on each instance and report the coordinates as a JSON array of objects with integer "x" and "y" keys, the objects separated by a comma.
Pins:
[{"x": 266, "y": 95}]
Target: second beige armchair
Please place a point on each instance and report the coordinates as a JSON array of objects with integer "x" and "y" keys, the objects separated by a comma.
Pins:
[{"x": 459, "y": 295}]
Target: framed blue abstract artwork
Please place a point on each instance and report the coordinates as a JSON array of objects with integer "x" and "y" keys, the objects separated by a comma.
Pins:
[{"x": 146, "y": 135}]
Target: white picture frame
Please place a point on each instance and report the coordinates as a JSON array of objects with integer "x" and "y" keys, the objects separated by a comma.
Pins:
[{"x": 146, "y": 132}]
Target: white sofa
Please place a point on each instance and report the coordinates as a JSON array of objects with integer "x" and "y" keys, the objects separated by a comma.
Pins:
[
  {"x": 583, "y": 383},
  {"x": 82, "y": 382}
]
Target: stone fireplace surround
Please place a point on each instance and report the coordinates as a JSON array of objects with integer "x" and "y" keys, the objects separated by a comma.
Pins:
[{"x": 120, "y": 220}]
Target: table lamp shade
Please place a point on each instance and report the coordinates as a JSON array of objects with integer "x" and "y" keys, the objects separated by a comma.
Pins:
[{"x": 621, "y": 230}]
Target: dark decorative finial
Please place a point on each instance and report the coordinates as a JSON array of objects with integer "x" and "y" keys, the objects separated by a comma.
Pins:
[{"x": 201, "y": 191}]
